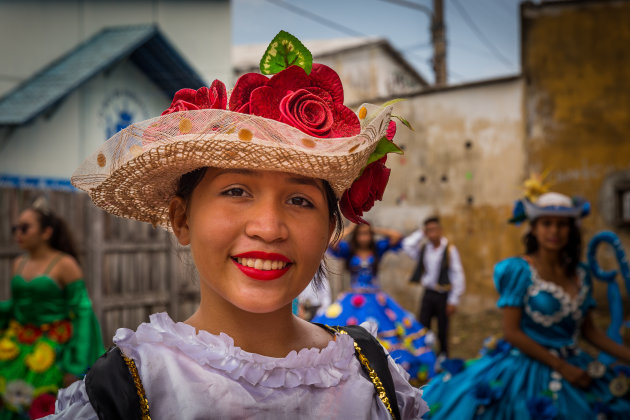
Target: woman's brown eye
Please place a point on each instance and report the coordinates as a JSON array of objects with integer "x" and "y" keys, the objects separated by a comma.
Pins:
[
  {"x": 300, "y": 201},
  {"x": 234, "y": 192}
]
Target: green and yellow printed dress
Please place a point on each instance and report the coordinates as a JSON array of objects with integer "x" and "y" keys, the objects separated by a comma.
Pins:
[{"x": 45, "y": 332}]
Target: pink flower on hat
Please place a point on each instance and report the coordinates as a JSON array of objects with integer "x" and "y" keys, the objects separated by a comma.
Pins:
[
  {"x": 213, "y": 97},
  {"x": 312, "y": 103}
]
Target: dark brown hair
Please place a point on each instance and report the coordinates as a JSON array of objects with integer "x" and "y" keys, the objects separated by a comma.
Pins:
[
  {"x": 61, "y": 238},
  {"x": 354, "y": 246},
  {"x": 431, "y": 219}
]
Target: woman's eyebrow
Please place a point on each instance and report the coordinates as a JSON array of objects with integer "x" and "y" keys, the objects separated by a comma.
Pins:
[
  {"x": 298, "y": 180},
  {"x": 236, "y": 171}
]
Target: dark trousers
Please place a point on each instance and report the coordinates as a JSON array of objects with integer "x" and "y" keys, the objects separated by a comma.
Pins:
[{"x": 434, "y": 305}]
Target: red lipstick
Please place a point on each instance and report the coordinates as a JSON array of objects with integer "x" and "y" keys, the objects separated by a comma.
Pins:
[{"x": 258, "y": 274}]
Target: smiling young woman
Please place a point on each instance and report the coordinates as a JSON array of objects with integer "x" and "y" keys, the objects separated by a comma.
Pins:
[
  {"x": 254, "y": 191},
  {"x": 257, "y": 238}
]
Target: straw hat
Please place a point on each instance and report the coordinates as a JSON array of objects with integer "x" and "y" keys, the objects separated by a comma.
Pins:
[{"x": 135, "y": 173}]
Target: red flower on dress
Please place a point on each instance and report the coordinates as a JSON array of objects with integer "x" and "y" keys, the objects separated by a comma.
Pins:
[
  {"x": 312, "y": 103},
  {"x": 60, "y": 331},
  {"x": 213, "y": 97},
  {"x": 42, "y": 406},
  {"x": 28, "y": 334},
  {"x": 357, "y": 301}
]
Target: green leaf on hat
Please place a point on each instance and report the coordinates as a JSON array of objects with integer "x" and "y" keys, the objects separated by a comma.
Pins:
[
  {"x": 383, "y": 147},
  {"x": 404, "y": 121},
  {"x": 393, "y": 101},
  {"x": 284, "y": 51}
]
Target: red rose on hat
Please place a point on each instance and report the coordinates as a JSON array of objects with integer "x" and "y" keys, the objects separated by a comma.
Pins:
[
  {"x": 312, "y": 103},
  {"x": 213, "y": 97},
  {"x": 368, "y": 188}
]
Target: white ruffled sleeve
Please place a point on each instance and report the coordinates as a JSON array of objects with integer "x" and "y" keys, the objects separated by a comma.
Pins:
[
  {"x": 410, "y": 402},
  {"x": 73, "y": 403}
]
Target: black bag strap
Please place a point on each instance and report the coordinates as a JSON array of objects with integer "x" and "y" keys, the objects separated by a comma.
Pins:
[
  {"x": 113, "y": 391},
  {"x": 376, "y": 361}
]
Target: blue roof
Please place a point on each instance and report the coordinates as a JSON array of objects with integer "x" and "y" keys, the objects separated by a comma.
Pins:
[{"x": 143, "y": 45}]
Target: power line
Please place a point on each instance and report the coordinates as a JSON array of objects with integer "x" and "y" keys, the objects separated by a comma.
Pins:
[
  {"x": 418, "y": 46},
  {"x": 427, "y": 10},
  {"x": 416, "y": 55},
  {"x": 316, "y": 18},
  {"x": 481, "y": 36}
]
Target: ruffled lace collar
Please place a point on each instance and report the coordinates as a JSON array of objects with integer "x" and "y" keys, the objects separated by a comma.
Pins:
[{"x": 322, "y": 368}]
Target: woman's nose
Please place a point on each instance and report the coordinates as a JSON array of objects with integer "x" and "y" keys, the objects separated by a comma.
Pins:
[{"x": 266, "y": 221}]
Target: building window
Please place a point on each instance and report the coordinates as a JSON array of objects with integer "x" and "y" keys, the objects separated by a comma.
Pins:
[
  {"x": 623, "y": 204},
  {"x": 614, "y": 199}
]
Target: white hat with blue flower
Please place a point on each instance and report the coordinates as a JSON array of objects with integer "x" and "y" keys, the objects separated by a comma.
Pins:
[{"x": 538, "y": 201}]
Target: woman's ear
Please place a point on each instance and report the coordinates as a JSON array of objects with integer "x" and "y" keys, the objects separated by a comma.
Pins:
[
  {"x": 47, "y": 233},
  {"x": 179, "y": 220}
]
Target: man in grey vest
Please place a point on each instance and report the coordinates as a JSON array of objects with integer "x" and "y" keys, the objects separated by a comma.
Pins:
[{"x": 440, "y": 272}]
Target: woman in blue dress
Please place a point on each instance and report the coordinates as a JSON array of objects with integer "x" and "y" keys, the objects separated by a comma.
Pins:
[
  {"x": 399, "y": 332},
  {"x": 537, "y": 371}
]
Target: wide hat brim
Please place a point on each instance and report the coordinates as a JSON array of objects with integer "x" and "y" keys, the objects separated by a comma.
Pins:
[
  {"x": 534, "y": 211},
  {"x": 524, "y": 209},
  {"x": 135, "y": 173}
]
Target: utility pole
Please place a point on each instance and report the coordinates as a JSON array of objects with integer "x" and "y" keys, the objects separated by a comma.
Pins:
[{"x": 438, "y": 38}]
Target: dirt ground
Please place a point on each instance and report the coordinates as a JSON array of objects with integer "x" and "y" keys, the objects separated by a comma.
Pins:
[{"x": 468, "y": 331}]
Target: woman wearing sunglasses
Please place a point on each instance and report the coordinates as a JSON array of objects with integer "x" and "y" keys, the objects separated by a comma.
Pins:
[{"x": 49, "y": 335}]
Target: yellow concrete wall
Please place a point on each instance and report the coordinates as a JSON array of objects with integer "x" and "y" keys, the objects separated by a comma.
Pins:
[{"x": 576, "y": 63}]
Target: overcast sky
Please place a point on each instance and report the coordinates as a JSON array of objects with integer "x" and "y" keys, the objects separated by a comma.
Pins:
[{"x": 482, "y": 35}]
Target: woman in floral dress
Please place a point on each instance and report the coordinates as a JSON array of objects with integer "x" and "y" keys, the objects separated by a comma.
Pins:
[{"x": 49, "y": 335}]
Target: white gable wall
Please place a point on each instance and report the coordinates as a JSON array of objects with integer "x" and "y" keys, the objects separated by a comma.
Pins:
[
  {"x": 54, "y": 144},
  {"x": 46, "y": 30}
]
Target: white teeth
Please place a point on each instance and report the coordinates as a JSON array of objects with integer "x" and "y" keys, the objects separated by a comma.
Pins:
[{"x": 260, "y": 264}]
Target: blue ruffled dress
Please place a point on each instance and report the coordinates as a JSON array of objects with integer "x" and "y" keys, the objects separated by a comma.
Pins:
[
  {"x": 398, "y": 330},
  {"x": 506, "y": 384}
]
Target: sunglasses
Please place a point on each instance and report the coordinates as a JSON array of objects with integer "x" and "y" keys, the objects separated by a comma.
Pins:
[{"x": 21, "y": 227}]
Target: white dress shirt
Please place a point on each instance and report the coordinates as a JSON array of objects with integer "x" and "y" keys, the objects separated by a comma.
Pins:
[{"x": 432, "y": 262}]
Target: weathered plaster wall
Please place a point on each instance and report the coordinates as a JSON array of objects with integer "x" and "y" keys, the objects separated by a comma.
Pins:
[
  {"x": 464, "y": 161},
  {"x": 577, "y": 98}
]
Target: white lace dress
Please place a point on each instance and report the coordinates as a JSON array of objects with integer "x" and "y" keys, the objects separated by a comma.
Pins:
[{"x": 189, "y": 375}]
